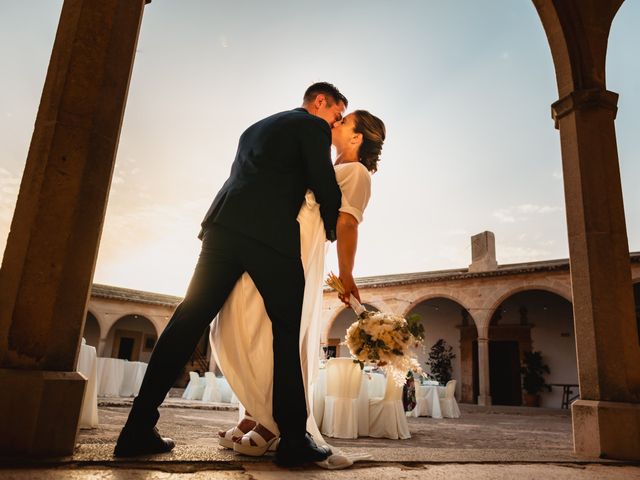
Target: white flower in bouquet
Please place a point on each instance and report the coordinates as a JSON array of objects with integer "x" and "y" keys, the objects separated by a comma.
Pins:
[{"x": 383, "y": 339}]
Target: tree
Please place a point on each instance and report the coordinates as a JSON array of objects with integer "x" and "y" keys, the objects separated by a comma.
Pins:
[
  {"x": 439, "y": 361},
  {"x": 533, "y": 370}
]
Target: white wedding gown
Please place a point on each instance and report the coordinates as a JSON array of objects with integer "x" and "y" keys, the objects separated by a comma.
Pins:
[{"x": 241, "y": 338}]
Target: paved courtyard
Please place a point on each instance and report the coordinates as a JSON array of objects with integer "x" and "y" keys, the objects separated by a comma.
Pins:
[{"x": 485, "y": 443}]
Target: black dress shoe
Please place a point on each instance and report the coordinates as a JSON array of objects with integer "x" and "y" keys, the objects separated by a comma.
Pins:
[
  {"x": 297, "y": 453},
  {"x": 141, "y": 442}
]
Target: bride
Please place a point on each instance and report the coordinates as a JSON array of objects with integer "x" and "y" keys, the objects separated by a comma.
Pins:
[{"x": 245, "y": 357}]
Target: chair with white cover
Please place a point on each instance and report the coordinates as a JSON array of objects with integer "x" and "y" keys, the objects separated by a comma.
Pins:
[
  {"x": 448, "y": 403},
  {"x": 427, "y": 402},
  {"x": 211, "y": 391},
  {"x": 386, "y": 415},
  {"x": 340, "y": 416},
  {"x": 195, "y": 388}
]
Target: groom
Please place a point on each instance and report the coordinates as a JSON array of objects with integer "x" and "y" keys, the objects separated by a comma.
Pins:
[{"x": 251, "y": 227}]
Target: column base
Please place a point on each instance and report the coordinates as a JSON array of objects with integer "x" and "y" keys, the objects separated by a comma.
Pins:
[
  {"x": 39, "y": 411},
  {"x": 484, "y": 400},
  {"x": 606, "y": 429}
]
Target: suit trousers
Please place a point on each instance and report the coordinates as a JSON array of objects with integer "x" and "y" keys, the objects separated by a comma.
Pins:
[{"x": 224, "y": 257}]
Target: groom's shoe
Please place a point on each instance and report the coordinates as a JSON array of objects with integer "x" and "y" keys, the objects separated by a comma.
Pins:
[
  {"x": 295, "y": 454},
  {"x": 134, "y": 442}
]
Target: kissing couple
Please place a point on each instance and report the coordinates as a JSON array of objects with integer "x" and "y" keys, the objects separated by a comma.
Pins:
[{"x": 260, "y": 275}]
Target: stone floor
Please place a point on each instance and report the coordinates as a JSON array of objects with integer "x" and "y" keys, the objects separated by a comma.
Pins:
[{"x": 485, "y": 443}]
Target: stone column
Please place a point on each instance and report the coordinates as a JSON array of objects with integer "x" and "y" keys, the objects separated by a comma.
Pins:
[
  {"x": 51, "y": 251},
  {"x": 604, "y": 311},
  {"x": 102, "y": 345},
  {"x": 606, "y": 420},
  {"x": 484, "y": 396},
  {"x": 484, "y": 387}
]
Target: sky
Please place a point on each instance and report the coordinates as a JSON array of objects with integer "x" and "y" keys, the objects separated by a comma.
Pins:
[{"x": 464, "y": 88}]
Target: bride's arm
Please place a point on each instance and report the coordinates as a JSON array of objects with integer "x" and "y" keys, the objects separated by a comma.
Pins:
[{"x": 347, "y": 233}]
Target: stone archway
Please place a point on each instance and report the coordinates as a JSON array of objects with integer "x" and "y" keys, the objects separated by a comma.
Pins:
[
  {"x": 445, "y": 318},
  {"x": 52, "y": 230},
  {"x": 131, "y": 337},
  {"x": 335, "y": 330},
  {"x": 533, "y": 319},
  {"x": 91, "y": 332}
]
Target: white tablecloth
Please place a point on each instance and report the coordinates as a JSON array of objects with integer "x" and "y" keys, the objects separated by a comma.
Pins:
[
  {"x": 119, "y": 378},
  {"x": 226, "y": 394},
  {"x": 132, "y": 378},
  {"x": 87, "y": 366},
  {"x": 430, "y": 404},
  {"x": 110, "y": 376},
  {"x": 373, "y": 386}
]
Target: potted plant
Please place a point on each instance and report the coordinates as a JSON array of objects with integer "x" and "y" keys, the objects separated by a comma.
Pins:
[
  {"x": 440, "y": 358},
  {"x": 532, "y": 370}
]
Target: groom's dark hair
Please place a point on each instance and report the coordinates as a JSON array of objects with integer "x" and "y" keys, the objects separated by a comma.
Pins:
[{"x": 326, "y": 89}]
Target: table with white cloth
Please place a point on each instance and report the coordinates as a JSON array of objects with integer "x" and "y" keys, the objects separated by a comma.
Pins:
[
  {"x": 132, "y": 378},
  {"x": 431, "y": 405},
  {"x": 226, "y": 394},
  {"x": 373, "y": 386},
  {"x": 119, "y": 378},
  {"x": 88, "y": 367}
]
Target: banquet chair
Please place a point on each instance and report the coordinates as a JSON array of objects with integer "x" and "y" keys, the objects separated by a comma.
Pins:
[
  {"x": 386, "y": 414},
  {"x": 195, "y": 388},
  {"x": 340, "y": 416},
  {"x": 448, "y": 403},
  {"x": 211, "y": 391},
  {"x": 427, "y": 402}
]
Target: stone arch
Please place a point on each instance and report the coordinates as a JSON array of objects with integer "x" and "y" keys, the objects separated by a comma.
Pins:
[
  {"x": 578, "y": 44},
  {"x": 131, "y": 336},
  {"x": 333, "y": 331},
  {"x": 92, "y": 330},
  {"x": 444, "y": 317},
  {"x": 531, "y": 319},
  {"x": 339, "y": 311},
  {"x": 428, "y": 296},
  {"x": 510, "y": 291}
]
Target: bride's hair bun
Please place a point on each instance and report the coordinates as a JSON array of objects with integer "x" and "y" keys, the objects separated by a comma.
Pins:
[{"x": 373, "y": 133}]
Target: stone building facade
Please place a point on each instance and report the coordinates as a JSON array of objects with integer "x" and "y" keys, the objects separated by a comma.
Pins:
[{"x": 489, "y": 317}]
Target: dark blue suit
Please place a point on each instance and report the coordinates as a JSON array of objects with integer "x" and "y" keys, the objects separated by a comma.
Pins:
[{"x": 251, "y": 227}]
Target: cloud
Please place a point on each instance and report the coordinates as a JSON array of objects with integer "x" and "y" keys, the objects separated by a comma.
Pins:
[
  {"x": 516, "y": 254},
  {"x": 9, "y": 187},
  {"x": 521, "y": 213}
]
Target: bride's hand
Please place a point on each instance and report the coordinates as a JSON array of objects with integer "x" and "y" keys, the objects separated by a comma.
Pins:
[{"x": 350, "y": 288}]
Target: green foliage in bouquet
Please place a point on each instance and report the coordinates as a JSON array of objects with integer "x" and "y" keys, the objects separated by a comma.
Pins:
[
  {"x": 415, "y": 326},
  {"x": 440, "y": 358},
  {"x": 385, "y": 340}
]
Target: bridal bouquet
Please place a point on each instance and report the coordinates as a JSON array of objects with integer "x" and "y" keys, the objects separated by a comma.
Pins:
[{"x": 384, "y": 339}]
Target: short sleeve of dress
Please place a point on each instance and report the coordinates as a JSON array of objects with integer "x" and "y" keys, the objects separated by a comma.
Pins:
[{"x": 355, "y": 182}]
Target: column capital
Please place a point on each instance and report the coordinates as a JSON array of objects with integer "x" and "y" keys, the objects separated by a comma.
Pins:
[{"x": 582, "y": 100}]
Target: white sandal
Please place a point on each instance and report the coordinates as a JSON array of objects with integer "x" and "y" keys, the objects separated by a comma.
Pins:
[
  {"x": 226, "y": 440},
  {"x": 261, "y": 446}
]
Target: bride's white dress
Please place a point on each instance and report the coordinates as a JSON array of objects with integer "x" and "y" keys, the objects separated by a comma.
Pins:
[{"x": 241, "y": 337}]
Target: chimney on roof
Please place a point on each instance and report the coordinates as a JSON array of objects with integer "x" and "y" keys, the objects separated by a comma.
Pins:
[{"x": 483, "y": 252}]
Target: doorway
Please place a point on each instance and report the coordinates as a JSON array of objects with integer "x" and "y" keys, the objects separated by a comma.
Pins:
[
  {"x": 504, "y": 373},
  {"x": 126, "y": 345}
]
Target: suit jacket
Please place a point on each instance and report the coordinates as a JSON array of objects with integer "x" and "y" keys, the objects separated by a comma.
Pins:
[{"x": 278, "y": 159}]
